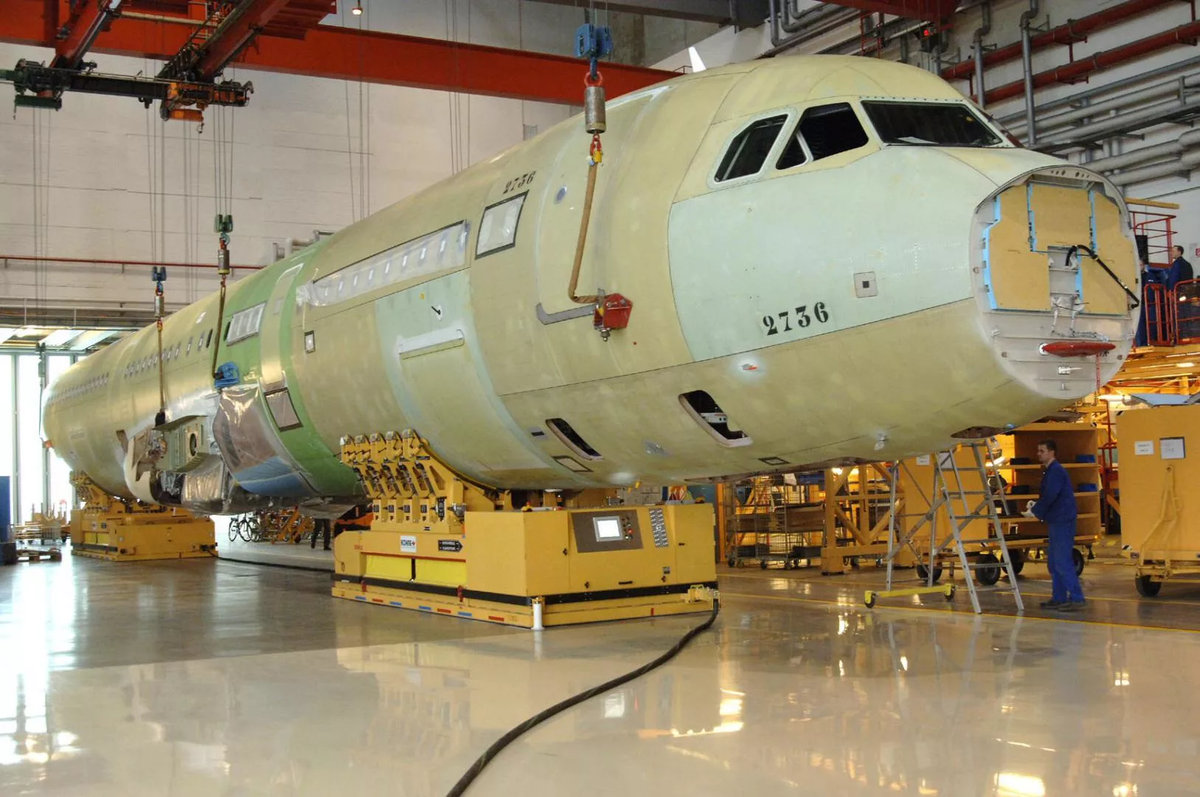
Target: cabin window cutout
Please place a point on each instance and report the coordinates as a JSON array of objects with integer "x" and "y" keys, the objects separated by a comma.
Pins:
[
  {"x": 571, "y": 439},
  {"x": 831, "y": 129},
  {"x": 749, "y": 149},
  {"x": 705, "y": 411},
  {"x": 498, "y": 227},
  {"x": 929, "y": 124}
]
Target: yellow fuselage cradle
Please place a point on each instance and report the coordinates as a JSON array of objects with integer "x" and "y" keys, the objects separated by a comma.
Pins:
[
  {"x": 567, "y": 565},
  {"x": 120, "y": 535}
]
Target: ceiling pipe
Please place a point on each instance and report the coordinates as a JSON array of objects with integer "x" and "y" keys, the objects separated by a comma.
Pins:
[
  {"x": 1027, "y": 62},
  {"x": 1171, "y": 149},
  {"x": 1122, "y": 102},
  {"x": 1084, "y": 67},
  {"x": 91, "y": 261},
  {"x": 805, "y": 26},
  {"x": 1014, "y": 119},
  {"x": 1160, "y": 113},
  {"x": 984, "y": 29},
  {"x": 1184, "y": 165},
  {"x": 1072, "y": 31}
]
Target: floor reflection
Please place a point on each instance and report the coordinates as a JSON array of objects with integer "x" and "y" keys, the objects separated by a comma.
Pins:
[{"x": 285, "y": 691}]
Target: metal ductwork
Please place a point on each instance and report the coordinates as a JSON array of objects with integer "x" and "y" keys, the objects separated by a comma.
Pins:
[
  {"x": 1182, "y": 166},
  {"x": 1124, "y": 101},
  {"x": 1171, "y": 149},
  {"x": 1159, "y": 113}
]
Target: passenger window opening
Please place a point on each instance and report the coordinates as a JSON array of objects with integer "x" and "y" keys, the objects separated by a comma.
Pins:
[
  {"x": 929, "y": 124},
  {"x": 749, "y": 149},
  {"x": 705, "y": 410},
  {"x": 831, "y": 129},
  {"x": 571, "y": 439}
]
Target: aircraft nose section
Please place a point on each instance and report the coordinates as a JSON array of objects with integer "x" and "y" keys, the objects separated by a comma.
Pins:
[{"x": 1056, "y": 279}]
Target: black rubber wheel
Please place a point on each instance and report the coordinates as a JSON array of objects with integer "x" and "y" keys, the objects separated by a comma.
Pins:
[
  {"x": 950, "y": 593},
  {"x": 763, "y": 564},
  {"x": 989, "y": 573},
  {"x": 233, "y": 530},
  {"x": 1146, "y": 587},
  {"x": 870, "y": 600},
  {"x": 1018, "y": 561},
  {"x": 923, "y": 572},
  {"x": 1078, "y": 558},
  {"x": 731, "y": 561}
]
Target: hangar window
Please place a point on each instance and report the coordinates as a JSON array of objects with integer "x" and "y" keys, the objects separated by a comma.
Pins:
[
  {"x": 245, "y": 323},
  {"x": 571, "y": 439},
  {"x": 929, "y": 124},
  {"x": 749, "y": 149},
  {"x": 830, "y": 129},
  {"x": 705, "y": 411},
  {"x": 498, "y": 227}
]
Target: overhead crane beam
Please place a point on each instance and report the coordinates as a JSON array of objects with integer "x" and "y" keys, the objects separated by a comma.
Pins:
[
  {"x": 234, "y": 34},
  {"x": 85, "y": 21},
  {"x": 347, "y": 54}
]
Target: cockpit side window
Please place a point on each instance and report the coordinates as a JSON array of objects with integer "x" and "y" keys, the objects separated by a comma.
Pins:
[
  {"x": 929, "y": 124},
  {"x": 830, "y": 129},
  {"x": 749, "y": 149}
]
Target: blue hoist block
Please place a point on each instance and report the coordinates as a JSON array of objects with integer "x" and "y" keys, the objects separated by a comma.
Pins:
[
  {"x": 593, "y": 42},
  {"x": 227, "y": 375}
]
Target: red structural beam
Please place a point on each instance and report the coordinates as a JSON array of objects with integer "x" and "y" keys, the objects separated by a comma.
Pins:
[
  {"x": 83, "y": 23},
  {"x": 1082, "y": 68},
  {"x": 347, "y": 54},
  {"x": 1073, "y": 31},
  {"x": 231, "y": 38}
]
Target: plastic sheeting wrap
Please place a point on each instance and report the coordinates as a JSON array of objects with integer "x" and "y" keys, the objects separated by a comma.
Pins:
[
  {"x": 251, "y": 448},
  {"x": 204, "y": 487}
]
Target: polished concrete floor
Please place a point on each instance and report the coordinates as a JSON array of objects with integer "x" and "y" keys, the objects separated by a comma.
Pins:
[{"x": 221, "y": 678}]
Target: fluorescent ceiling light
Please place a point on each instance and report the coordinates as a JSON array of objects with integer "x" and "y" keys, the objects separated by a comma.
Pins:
[{"x": 6, "y": 333}]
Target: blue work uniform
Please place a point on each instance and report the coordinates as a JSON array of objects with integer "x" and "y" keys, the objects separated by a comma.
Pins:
[
  {"x": 1149, "y": 310},
  {"x": 1056, "y": 506},
  {"x": 1179, "y": 271}
]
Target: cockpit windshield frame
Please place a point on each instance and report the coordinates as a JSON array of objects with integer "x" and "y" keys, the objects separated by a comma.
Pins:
[{"x": 887, "y": 117}]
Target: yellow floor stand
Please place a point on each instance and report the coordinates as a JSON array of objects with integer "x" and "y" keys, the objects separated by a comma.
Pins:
[{"x": 120, "y": 531}]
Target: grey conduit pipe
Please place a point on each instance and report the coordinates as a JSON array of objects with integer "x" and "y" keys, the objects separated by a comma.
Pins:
[
  {"x": 1120, "y": 102},
  {"x": 1134, "y": 80},
  {"x": 1184, "y": 165},
  {"x": 1125, "y": 123},
  {"x": 984, "y": 29},
  {"x": 1171, "y": 149},
  {"x": 1027, "y": 63}
]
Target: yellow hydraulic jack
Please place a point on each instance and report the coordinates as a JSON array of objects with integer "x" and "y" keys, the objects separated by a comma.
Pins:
[
  {"x": 443, "y": 544},
  {"x": 122, "y": 531}
]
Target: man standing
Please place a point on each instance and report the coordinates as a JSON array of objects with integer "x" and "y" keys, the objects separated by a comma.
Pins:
[
  {"x": 1180, "y": 270},
  {"x": 1056, "y": 506}
]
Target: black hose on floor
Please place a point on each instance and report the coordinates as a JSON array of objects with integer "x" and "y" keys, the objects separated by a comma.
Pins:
[
  {"x": 306, "y": 569},
  {"x": 504, "y": 741}
]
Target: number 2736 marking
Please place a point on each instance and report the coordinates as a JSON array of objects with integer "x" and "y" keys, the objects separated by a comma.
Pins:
[{"x": 800, "y": 316}]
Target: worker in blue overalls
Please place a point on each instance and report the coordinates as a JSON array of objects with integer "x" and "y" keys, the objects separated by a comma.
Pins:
[{"x": 1056, "y": 506}]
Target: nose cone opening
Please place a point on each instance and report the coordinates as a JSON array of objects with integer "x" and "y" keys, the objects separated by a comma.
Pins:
[{"x": 1056, "y": 280}]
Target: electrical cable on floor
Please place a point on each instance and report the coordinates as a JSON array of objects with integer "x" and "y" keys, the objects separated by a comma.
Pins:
[
  {"x": 489, "y": 754},
  {"x": 305, "y": 568}
]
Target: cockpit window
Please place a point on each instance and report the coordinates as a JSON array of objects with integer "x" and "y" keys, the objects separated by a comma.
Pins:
[
  {"x": 749, "y": 149},
  {"x": 929, "y": 124},
  {"x": 830, "y": 129}
]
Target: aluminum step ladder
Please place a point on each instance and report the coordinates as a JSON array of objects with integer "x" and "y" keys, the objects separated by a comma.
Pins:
[{"x": 962, "y": 509}]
